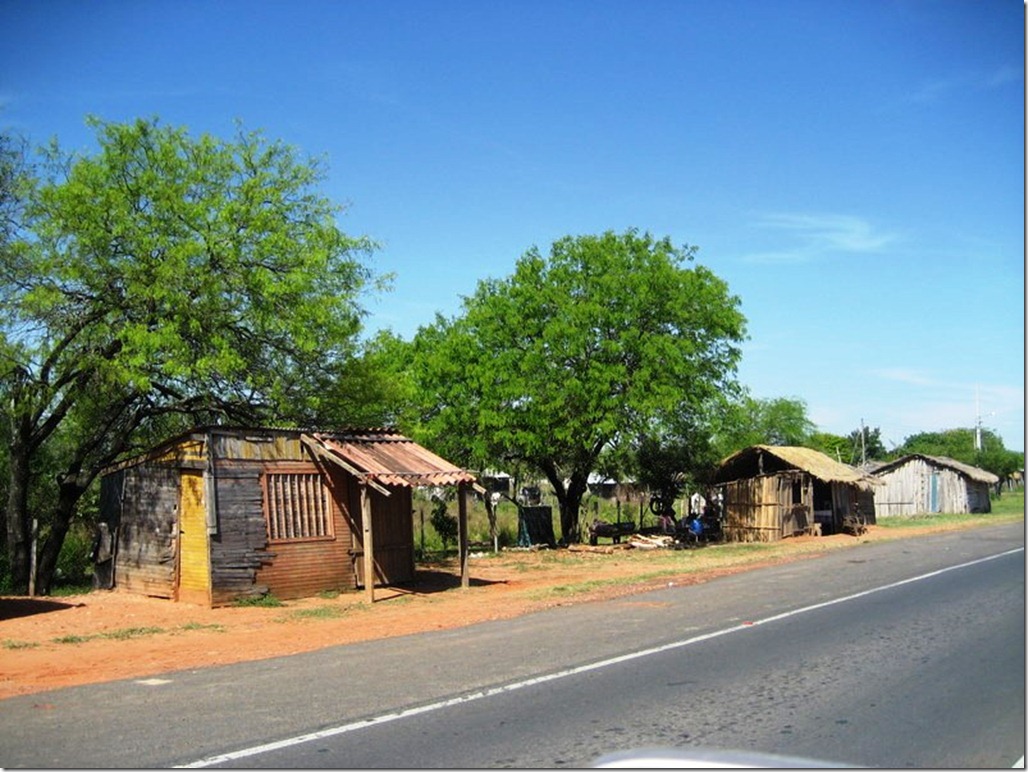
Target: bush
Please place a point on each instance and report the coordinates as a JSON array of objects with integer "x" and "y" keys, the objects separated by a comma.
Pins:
[{"x": 445, "y": 525}]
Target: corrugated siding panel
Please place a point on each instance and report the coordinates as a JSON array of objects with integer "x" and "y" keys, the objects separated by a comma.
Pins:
[{"x": 304, "y": 568}]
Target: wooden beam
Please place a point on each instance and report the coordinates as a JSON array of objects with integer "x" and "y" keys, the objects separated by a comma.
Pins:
[
  {"x": 462, "y": 533},
  {"x": 369, "y": 545}
]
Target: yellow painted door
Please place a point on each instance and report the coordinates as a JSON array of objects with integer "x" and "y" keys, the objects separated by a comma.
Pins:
[{"x": 194, "y": 551}]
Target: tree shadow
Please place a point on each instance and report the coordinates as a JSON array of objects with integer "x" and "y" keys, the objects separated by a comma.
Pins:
[
  {"x": 13, "y": 608},
  {"x": 429, "y": 581}
]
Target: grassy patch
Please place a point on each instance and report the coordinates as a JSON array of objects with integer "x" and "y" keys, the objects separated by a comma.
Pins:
[
  {"x": 123, "y": 634},
  {"x": 213, "y": 627},
  {"x": 9, "y": 644},
  {"x": 1010, "y": 503},
  {"x": 74, "y": 638},
  {"x": 131, "y": 632},
  {"x": 953, "y": 521},
  {"x": 260, "y": 601},
  {"x": 318, "y": 612}
]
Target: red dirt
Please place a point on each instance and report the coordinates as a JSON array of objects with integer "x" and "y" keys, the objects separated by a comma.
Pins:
[{"x": 111, "y": 635}]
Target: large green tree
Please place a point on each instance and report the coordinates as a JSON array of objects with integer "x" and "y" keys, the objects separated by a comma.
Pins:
[
  {"x": 597, "y": 342},
  {"x": 163, "y": 280},
  {"x": 753, "y": 421}
]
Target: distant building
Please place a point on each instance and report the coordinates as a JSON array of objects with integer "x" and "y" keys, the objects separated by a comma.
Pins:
[{"x": 919, "y": 484}]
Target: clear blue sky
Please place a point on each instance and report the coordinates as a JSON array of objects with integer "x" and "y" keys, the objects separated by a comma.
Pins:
[{"x": 854, "y": 170}]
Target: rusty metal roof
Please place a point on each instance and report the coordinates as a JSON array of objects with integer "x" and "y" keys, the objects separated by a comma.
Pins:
[{"x": 389, "y": 458}]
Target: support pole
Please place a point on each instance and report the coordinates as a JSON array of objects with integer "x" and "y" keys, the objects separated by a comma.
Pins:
[
  {"x": 462, "y": 533},
  {"x": 369, "y": 546}
]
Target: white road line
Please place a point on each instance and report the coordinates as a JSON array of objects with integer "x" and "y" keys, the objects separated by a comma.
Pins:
[{"x": 492, "y": 692}]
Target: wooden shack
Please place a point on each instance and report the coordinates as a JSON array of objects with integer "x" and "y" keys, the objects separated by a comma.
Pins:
[
  {"x": 770, "y": 492},
  {"x": 224, "y": 513},
  {"x": 918, "y": 484}
]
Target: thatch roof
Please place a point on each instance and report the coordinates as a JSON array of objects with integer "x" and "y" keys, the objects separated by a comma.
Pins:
[
  {"x": 770, "y": 459},
  {"x": 971, "y": 472}
]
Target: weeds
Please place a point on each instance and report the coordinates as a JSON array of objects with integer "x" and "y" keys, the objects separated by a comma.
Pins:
[
  {"x": 9, "y": 644},
  {"x": 318, "y": 612},
  {"x": 260, "y": 601}
]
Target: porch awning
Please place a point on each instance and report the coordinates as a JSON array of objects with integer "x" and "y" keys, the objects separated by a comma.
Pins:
[{"x": 387, "y": 458}]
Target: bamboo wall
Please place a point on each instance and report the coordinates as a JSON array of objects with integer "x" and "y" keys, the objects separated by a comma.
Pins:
[{"x": 763, "y": 508}]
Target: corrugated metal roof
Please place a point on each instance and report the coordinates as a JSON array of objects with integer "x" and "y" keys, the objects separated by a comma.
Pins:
[
  {"x": 389, "y": 458},
  {"x": 972, "y": 472},
  {"x": 808, "y": 460}
]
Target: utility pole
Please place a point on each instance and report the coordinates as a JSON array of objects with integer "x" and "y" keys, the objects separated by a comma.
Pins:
[
  {"x": 977, "y": 422},
  {"x": 863, "y": 445}
]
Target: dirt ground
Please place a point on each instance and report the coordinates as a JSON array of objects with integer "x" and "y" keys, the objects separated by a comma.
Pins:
[{"x": 107, "y": 635}]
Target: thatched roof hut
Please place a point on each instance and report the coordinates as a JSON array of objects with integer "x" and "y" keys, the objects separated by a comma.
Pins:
[{"x": 772, "y": 491}]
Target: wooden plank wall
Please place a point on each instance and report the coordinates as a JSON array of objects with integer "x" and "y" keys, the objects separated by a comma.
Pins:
[
  {"x": 907, "y": 491},
  {"x": 147, "y": 523},
  {"x": 393, "y": 528},
  {"x": 239, "y": 548},
  {"x": 305, "y": 567}
]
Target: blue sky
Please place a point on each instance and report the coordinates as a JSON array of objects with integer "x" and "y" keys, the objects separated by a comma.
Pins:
[{"x": 854, "y": 170}]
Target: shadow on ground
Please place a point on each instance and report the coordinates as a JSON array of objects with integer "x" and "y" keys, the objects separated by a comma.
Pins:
[{"x": 12, "y": 608}]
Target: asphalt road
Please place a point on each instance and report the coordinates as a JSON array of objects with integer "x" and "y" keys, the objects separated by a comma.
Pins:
[{"x": 907, "y": 653}]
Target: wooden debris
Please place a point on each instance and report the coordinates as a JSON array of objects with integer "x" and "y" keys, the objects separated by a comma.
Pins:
[{"x": 639, "y": 541}]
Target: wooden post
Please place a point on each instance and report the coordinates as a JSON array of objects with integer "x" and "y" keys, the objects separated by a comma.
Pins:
[
  {"x": 369, "y": 546},
  {"x": 462, "y": 533}
]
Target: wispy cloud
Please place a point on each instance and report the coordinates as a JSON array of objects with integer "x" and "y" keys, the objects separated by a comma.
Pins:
[
  {"x": 814, "y": 236},
  {"x": 937, "y": 89}
]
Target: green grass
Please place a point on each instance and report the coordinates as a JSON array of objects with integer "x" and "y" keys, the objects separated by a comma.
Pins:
[
  {"x": 261, "y": 601},
  {"x": 123, "y": 634},
  {"x": 1010, "y": 503},
  {"x": 213, "y": 627},
  {"x": 923, "y": 521},
  {"x": 74, "y": 638},
  {"x": 9, "y": 644},
  {"x": 318, "y": 612}
]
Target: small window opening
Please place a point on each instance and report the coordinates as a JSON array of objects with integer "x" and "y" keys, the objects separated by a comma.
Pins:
[{"x": 297, "y": 506}]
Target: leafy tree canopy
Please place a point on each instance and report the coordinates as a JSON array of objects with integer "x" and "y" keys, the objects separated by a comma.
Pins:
[
  {"x": 851, "y": 449},
  {"x": 163, "y": 280},
  {"x": 751, "y": 421},
  {"x": 959, "y": 444},
  {"x": 599, "y": 341}
]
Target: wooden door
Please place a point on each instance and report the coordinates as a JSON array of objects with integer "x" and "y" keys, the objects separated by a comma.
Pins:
[{"x": 194, "y": 584}]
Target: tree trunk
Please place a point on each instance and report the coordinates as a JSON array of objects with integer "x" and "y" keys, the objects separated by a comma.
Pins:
[
  {"x": 67, "y": 502},
  {"x": 571, "y": 506},
  {"x": 18, "y": 512},
  {"x": 569, "y": 500}
]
